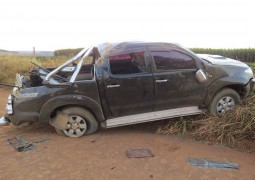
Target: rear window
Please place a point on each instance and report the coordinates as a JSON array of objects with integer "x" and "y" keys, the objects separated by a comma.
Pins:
[{"x": 128, "y": 63}]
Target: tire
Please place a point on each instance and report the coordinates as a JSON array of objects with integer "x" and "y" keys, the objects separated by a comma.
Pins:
[
  {"x": 81, "y": 122},
  {"x": 224, "y": 100}
]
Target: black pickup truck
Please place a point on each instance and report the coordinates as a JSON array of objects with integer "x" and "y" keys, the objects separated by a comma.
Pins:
[{"x": 117, "y": 84}]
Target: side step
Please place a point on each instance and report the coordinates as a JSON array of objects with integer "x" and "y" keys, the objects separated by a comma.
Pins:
[{"x": 152, "y": 116}]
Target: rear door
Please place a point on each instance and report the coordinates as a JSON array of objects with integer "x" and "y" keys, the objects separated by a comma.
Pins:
[
  {"x": 129, "y": 85},
  {"x": 174, "y": 80}
]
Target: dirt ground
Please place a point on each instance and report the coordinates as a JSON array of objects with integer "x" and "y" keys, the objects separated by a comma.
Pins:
[{"x": 102, "y": 155}]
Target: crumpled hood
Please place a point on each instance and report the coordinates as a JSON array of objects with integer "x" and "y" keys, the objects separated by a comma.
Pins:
[{"x": 221, "y": 60}]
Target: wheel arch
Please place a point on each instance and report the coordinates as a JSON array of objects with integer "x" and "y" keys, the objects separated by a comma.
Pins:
[
  {"x": 236, "y": 87},
  {"x": 241, "y": 89},
  {"x": 60, "y": 102}
]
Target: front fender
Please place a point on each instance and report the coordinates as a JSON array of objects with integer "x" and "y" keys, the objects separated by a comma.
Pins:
[
  {"x": 66, "y": 100},
  {"x": 215, "y": 86}
]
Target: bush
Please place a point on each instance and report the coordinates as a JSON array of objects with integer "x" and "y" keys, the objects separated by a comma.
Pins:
[
  {"x": 232, "y": 129},
  {"x": 67, "y": 52},
  {"x": 10, "y": 65}
]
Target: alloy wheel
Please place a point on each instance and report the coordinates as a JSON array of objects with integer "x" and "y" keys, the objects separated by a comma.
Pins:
[
  {"x": 224, "y": 104},
  {"x": 76, "y": 126}
]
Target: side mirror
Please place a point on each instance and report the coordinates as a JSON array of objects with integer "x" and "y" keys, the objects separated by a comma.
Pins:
[{"x": 200, "y": 76}]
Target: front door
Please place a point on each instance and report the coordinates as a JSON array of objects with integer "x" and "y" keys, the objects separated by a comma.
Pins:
[
  {"x": 174, "y": 80},
  {"x": 129, "y": 85}
]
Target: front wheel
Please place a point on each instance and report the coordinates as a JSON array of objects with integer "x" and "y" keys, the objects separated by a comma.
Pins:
[
  {"x": 223, "y": 101},
  {"x": 80, "y": 122}
]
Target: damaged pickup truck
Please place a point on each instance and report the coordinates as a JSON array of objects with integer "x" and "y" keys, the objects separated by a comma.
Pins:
[{"x": 118, "y": 84}]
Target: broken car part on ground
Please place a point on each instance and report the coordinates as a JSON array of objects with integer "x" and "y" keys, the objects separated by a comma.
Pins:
[
  {"x": 117, "y": 84},
  {"x": 21, "y": 144},
  {"x": 212, "y": 164},
  {"x": 139, "y": 153}
]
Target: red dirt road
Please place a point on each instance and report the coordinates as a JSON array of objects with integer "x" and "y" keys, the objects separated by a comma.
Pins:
[{"x": 102, "y": 155}]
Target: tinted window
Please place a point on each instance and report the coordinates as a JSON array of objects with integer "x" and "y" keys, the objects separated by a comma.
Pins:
[
  {"x": 127, "y": 63},
  {"x": 167, "y": 60}
]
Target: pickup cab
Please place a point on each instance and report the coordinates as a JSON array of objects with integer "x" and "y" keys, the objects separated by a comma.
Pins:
[{"x": 117, "y": 84}]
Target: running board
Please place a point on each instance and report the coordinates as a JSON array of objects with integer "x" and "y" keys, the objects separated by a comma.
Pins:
[{"x": 152, "y": 116}]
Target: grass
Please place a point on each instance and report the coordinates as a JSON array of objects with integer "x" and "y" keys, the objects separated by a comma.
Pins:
[
  {"x": 235, "y": 129},
  {"x": 10, "y": 65},
  {"x": 252, "y": 65},
  {"x": 244, "y": 54}
]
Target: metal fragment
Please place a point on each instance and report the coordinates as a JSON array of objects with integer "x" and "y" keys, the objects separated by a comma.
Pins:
[
  {"x": 139, "y": 153},
  {"x": 212, "y": 164}
]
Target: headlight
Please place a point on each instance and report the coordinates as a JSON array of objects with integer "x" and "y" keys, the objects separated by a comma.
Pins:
[
  {"x": 9, "y": 99},
  {"x": 18, "y": 80},
  {"x": 15, "y": 91},
  {"x": 249, "y": 71}
]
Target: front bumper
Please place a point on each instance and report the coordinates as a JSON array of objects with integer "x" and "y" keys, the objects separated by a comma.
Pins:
[
  {"x": 9, "y": 107},
  {"x": 4, "y": 121},
  {"x": 19, "y": 117},
  {"x": 9, "y": 110},
  {"x": 16, "y": 115}
]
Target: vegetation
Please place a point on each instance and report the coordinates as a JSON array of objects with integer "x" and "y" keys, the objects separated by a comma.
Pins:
[
  {"x": 10, "y": 65},
  {"x": 245, "y": 55},
  {"x": 252, "y": 65},
  {"x": 234, "y": 129},
  {"x": 67, "y": 52}
]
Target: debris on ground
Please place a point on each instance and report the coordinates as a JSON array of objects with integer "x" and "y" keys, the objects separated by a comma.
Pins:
[
  {"x": 139, "y": 153},
  {"x": 21, "y": 144},
  {"x": 212, "y": 164}
]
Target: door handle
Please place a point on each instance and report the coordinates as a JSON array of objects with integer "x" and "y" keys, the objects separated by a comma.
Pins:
[
  {"x": 161, "y": 80},
  {"x": 113, "y": 86}
]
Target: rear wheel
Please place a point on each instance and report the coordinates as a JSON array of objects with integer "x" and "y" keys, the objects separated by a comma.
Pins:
[
  {"x": 80, "y": 122},
  {"x": 223, "y": 101}
]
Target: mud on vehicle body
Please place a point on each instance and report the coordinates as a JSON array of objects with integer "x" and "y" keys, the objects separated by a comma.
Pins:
[{"x": 126, "y": 83}]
